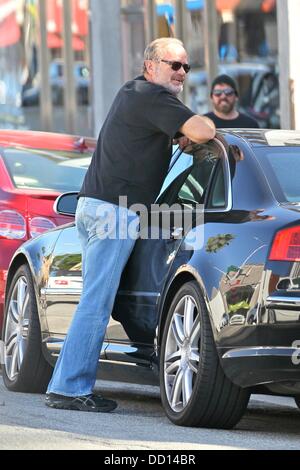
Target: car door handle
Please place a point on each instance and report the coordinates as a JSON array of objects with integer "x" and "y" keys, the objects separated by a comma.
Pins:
[{"x": 176, "y": 233}]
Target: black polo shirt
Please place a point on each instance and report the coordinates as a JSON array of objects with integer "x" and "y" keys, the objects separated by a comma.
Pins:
[{"x": 135, "y": 144}]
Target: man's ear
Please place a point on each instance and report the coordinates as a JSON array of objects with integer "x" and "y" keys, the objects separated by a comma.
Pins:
[{"x": 149, "y": 66}]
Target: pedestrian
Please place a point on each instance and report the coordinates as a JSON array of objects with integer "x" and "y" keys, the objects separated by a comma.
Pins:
[
  {"x": 224, "y": 96},
  {"x": 130, "y": 163}
]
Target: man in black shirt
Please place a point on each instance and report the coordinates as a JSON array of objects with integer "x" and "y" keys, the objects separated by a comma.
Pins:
[
  {"x": 224, "y": 96},
  {"x": 128, "y": 167}
]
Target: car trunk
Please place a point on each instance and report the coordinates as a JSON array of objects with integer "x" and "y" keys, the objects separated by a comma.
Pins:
[{"x": 41, "y": 205}]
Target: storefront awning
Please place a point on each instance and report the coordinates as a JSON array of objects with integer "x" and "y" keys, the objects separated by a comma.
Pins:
[
  {"x": 55, "y": 23},
  {"x": 167, "y": 8},
  {"x": 223, "y": 5},
  {"x": 9, "y": 29},
  {"x": 55, "y": 41}
]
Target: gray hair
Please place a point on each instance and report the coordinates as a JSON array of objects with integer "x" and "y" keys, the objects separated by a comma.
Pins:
[{"x": 155, "y": 49}]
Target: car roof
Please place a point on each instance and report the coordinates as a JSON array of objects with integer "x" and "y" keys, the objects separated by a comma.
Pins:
[
  {"x": 265, "y": 137},
  {"x": 45, "y": 140}
]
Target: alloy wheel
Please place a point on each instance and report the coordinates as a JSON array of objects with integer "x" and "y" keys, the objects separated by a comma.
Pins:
[
  {"x": 182, "y": 356},
  {"x": 16, "y": 328}
]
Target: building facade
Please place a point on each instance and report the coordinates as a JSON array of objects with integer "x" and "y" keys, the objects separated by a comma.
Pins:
[{"x": 62, "y": 61}]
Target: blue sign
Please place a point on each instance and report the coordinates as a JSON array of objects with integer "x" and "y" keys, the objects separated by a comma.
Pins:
[{"x": 195, "y": 4}]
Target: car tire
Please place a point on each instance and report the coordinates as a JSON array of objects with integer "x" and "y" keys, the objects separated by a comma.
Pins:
[
  {"x": 194, "y": 389},
  {"x": 25, "y": 368}
]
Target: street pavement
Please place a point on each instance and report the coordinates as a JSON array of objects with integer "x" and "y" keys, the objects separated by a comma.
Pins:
[{"x": 139, "y": 423}]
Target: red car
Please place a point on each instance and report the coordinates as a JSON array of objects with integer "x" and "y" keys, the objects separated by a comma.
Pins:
[{"x": 35, "y": 167}]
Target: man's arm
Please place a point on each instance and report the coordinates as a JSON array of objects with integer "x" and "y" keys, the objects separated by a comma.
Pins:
[{"x": 198, "y": 129}]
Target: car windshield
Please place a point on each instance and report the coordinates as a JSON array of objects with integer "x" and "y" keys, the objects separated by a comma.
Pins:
[
  {"x": 281, "y": 166},
  {"x": 47, "y": 170}
]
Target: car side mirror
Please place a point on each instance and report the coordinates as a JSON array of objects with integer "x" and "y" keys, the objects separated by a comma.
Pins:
[{"x": 66, "y": 204}]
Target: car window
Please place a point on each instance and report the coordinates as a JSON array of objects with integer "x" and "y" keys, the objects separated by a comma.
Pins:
[
  {"x": 281, "y": 166},
  {"x": 52, "y": 171},
  {"x": 191, "y": 187},
  {"x": 217, "y": 196},
  {"x": 265, "y": 100},
  {"x": 177, "y": 166},
  {"x": 192, "y": 190}
]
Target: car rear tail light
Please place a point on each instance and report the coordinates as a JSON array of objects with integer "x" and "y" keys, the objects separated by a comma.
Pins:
[
  {"x": 39, "y": 225},
  {"x": 286, "y": 246},
  {"x": 12, "y": 225}
]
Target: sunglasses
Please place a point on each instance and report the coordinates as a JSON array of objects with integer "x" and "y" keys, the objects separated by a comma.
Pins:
[
  {"x": 226, "y": 91},
  {"x": 177, "y": 65}
]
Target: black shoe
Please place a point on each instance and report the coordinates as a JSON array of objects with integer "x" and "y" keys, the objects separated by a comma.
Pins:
[{"x": 94, "y": 403}]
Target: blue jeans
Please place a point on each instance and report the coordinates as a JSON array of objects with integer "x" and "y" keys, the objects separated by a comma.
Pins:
[{"x": 107, "y": 234}]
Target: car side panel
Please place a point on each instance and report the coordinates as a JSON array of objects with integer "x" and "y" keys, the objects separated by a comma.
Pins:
[
  {"x": 36, "y": 253},
  {"x": 230, "y": 269},
  {"x": 63, "y": 283}
]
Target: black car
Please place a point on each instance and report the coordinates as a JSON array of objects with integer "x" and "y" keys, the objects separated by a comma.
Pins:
[
  {"x": 211, "y": 321},
  {"x": 31, "y": 91}
]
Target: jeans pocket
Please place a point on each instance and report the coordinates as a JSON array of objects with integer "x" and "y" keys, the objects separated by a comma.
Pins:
[
  {"x": 100, "y": 220},
  {"x": 104, "y": 220}
]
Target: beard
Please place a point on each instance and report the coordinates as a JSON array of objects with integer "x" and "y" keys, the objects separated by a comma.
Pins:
[
  {"x": 224, "y": 107},
  {"x": 169, "y": 85},
  {"x": 174, "y": 89}
]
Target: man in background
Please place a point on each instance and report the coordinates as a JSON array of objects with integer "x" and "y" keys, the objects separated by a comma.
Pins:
[{"x": 224, "y": 96}]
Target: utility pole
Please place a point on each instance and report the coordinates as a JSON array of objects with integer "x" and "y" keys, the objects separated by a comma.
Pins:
[
  {"x": 150, "y": 20},
  {"x": 43, "y": 56},
  {"x": 180, "y": 20},
  {"x": 288, "y": 14},
  {"x": 210, "y": 41},
  {"x": 106, "y": 53},
  {"x": 181, "y": 33},
  {"x": 70, "y": 104}
]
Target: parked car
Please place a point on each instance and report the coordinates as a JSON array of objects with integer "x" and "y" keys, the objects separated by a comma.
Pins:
[
  {"x": 35, "y": 167},
  {"x": 210, "y": 311},
  {"x": 31, "y": 92},
  {"x": 264, "y": 105},
  {"x": 258, "y": 91}
]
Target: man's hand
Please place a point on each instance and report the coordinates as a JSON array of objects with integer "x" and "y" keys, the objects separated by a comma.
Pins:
[{"x": 182, "y": 142}]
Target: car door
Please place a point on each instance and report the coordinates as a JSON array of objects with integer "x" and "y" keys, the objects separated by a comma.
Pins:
[
  {"x": 63, "y": 285},
  {"x": 134, "y": 319}
]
